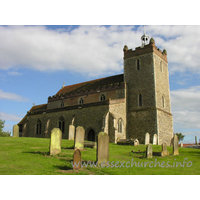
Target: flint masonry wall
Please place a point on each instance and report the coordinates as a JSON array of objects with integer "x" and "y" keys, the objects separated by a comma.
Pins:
[
  {"x": 89, "y": 117},
  {"x": 164, "y": 116},
  {"x": 140, "y": 119},
  {"x": 151, "y": 80},
  {"x": 117, "y": 109}
]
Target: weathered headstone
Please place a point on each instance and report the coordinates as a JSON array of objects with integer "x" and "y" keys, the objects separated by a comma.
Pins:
[
  {"x": 149, "y": 151},
  {"x": 102, "y": 148},
  {"x": 175, "y": 145},
  {"x": 164, "y": 150},
  {"x": 147, "y": 138},
  {"x": 196, "y": 140},
  {"x": 181, "y": 144},
  {"x": 79, "y": 138},
  {"x": 15, "y": 130},
  {"x": 136, "y": 142},
  {"x": 55, "y": 141},
  {"x": 77, "y": 159},
  {"x": 155, "y": 139},
  {"x": 71, "y": 132}
]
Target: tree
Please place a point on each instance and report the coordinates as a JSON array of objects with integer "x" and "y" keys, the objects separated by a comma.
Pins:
[
  {"x": 180, "y": 136},
  {"x": 3, "y": 133}
]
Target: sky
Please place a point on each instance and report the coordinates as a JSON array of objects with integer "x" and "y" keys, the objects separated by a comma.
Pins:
[{"x": 36, "y": 60}]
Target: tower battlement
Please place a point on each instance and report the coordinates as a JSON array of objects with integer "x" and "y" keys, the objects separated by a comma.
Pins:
[{"x": 151, "y": 47}]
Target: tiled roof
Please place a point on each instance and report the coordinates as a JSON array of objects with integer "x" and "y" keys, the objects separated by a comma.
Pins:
[
  {"x": 38, "y": 107},
  {"x": 34, "y": 108},
  {"x": 91, "y": 84}
]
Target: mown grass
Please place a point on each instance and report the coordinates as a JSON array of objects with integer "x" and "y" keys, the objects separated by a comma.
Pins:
[{"x": 29, "y": 156}]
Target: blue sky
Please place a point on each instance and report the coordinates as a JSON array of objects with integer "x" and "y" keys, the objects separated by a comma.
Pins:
[{"x": 36, "y": 60}]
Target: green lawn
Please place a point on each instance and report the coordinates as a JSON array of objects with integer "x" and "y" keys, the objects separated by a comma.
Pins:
[{"x": 30, "y": 156}]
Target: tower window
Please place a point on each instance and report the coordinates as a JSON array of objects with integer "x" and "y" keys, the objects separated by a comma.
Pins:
[
  {"x": 163, "y": 101},
  {"x": 62, "y": 104},
  {"x": 161, "y": 67},
  {"x": 120, "y": 126},
  {"x": 38, "y": 127},
  {"x": 103, "y": 98},
  {"x": 138, "y": 64},
  {"x": 140, "y": 100},
  {"x": 81, "y": 101}
]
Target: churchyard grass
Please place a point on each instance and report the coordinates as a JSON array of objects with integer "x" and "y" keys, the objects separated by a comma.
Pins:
[{"x": 30, "y": 156}]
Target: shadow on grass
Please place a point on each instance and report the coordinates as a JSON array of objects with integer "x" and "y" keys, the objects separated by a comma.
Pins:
[
  {"x": 67, "y": 147},
  {"x": 62, "y": 167},
  {"x": 44, "y": 153}
]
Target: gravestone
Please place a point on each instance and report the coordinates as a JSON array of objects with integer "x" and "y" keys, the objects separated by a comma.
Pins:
[
  {"x": 147, "y": 138},
  {"x": 79, "y": 138},
  {"x": 175, "y": 145},
  {"x": 102, "y": 148},
  {"x": 196, "y": 140},
  {"x": 15, "y": 130},
  {"x": 155, "y": 139},
  {"x": 149, "y": 151},
  {"x": 77, "y": 159},
  {"x": 136, "y": 142},
  {"x": 55, "y": 141},
  {"x": 181, "y": 144},
  {"x": 71, "y": 132},
  {"x": 164, "y": 150}
]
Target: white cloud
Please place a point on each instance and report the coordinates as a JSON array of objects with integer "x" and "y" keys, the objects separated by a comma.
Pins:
[
  {"x": 14, "y": 73},
  {"x": 5, "y": 116},
  {"x": 93, "y": 49},
  {"x": 87, "y": 49},
  {"x": 12, "y": 96},
  {"x": 186, "y": 107},
  {"x": 182, "y": 44}
]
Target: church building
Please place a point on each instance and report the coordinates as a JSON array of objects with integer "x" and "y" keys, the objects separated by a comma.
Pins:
[{"x": 124, "y": 106}]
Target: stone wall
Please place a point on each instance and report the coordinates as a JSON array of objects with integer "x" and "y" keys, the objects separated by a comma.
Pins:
[
  {"x": 88, "y": 98},
  {"x": 165, "y": 127},
  {"x": 140, "y": 119},
  {"x": 151, "y": 81},
  {"x": 89, "y": 117},
  {"x": 117, "y": 111}
]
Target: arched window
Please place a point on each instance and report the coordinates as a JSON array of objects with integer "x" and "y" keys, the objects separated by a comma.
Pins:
[
  {"x": 103, "y": 98},
  {"x": 138, "y": 64},
  {"x": 140, "y": 100},
  {"x": 62, "y": 104},
  {"x": 81, "y": 101},
  {"x": 120, "y": 125},
  {"x": 61, "y": 124},
  {"x": 163, "y": 101},
  {"x": 161, "y": 67},
  {"x": 38, "y": 127}
]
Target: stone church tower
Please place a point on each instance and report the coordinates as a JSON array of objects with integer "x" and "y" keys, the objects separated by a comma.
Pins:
[{"x": 148, "y": 106}]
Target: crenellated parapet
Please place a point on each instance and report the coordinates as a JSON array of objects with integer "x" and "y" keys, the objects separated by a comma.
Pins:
[
  {"x": 103, "y": 88},
  {"x": 151, "y": 47}
]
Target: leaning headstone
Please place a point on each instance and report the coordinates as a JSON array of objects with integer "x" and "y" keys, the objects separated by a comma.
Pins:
[
  {"x": 175, "y": 145},
  {"x": 71, "y": 132},
  {"x": 149, "y": 151},
  {"x": 15, "y": 130},
  {"x": 147, "y": 138},
  {"x": 103, "y": 148},
  {"x": 164, "y": 150},
  {"x": 155, "y": 139},
  {"x": 79, "y": 138},
  {"x": 77, "y": 159},
  {"x": 55, "y": 141}
]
